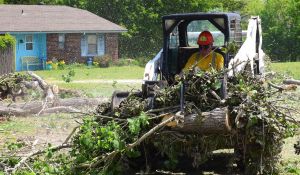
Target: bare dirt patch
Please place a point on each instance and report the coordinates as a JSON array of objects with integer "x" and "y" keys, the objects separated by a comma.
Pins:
[{"x": 39, "y": 130}]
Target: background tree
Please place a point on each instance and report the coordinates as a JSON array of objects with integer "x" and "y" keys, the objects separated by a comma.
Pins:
[
  {"x": 33, "y": 2},
  {"x": 281, "y": 27},
  {"x": 142, "y": 18}
]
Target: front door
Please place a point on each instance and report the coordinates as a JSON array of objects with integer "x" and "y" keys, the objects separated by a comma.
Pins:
[{"x": 30, "y": 45}]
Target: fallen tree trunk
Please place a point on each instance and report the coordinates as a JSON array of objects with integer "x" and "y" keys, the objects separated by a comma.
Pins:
[
  {"x": 212, "y": 122},
  {"x": 291, "y": 81},
  {"x": 61, "y": 105},
  {"x": 41, "y": 82},
  {"x": 12, "y": 111}
]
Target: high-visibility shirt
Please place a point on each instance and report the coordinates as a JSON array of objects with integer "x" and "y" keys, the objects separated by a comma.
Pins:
[{"x": 205, "y": 64}]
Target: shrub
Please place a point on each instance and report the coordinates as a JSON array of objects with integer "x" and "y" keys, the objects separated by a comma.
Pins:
[
  {"x": 103, "y": 61},
  {"x": 125, "y": 62},
  {"x": 6, "y": 41},
  {"x": 76, "y": 65},
  {"x": 54, "y": 63},
  {"x": 142, "y": 61},
  {"x": 68, "y": 77},
  {"x": 61, "y": 64}
]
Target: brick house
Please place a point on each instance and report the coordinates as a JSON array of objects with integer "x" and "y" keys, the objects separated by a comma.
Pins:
[{"x": 60, "y": 32}]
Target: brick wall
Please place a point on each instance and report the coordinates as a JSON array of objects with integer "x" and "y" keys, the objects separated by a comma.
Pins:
[
  {"x": 72, "y": 49},
  {"x": 111, "y": 45}
]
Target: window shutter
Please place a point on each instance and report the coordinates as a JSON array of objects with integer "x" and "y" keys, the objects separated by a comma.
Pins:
[
  {"x": 83, "y": 45},
  {"x": 101, "y": 44}
]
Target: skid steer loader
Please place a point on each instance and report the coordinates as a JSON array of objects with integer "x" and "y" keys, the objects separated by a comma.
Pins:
[{"x": 180, "y": 32}]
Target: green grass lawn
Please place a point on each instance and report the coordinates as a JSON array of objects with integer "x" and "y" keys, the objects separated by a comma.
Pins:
[
  {"x": 291, "y": 68},
  {"x": 136, "y": 72},
  {"x": 84, "y": 73},
  {"x": 290, "y": 161},
  {"x": 100, "y": 89},
  {"x": 96, "y": 89}
]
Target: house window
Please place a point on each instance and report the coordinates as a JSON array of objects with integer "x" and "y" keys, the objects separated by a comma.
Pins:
[
  {"x": 61, "y": 41},
  {"x": 92, "y": 44},
  {"x": 29, "y": 42}
]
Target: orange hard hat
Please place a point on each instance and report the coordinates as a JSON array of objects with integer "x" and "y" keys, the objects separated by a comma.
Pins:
[{"x": 205, "y": 38}]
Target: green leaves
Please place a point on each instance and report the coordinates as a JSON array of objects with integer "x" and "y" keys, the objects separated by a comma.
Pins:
[
  {"x": 6, "y": 41},
  {"x": 13, "y": 146},
  {"x": 281, "y": 28},
  {"x": 132, "y": 153},
  {"x": 217, "y": 85},
  {"x": 68, "y": 77},
  {"x": 49, "y": 152},
  {"x": 135, "y": 124}
]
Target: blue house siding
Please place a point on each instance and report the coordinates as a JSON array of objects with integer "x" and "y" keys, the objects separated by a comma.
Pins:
[{"x": 39, "y": 49}]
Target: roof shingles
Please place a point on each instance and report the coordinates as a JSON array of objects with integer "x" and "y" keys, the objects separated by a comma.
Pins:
[{"x": 47, "y": 18}]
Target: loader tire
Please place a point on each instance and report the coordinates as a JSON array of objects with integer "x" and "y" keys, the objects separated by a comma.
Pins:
[{"x": 240, "y": 159}]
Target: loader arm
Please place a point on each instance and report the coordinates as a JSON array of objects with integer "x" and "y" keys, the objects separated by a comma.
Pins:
[
  {"x": 250, "y": 54},
  {"x": 151, "y": 72}
]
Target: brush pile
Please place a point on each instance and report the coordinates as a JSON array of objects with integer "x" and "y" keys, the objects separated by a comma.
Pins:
[
  {"x": 161, "y": 134},
  {"x": 28, "y": 94},
  {"x": 147, "y": 134},
  {"x": 13, "y": 86}
]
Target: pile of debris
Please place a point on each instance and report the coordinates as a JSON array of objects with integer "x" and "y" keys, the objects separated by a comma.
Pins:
[
  {"x": 176, "y": 126},
  {"x": 14, "y": 86},
  {"x": 146, "y": 134},
  {"x": 28, "y": 94}
]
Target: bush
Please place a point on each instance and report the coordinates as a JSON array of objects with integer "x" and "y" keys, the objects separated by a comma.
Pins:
[
  {"x": 6, "y": 41},
  {"x": 103, "y": 61},
  {"x": 61, "y": 64},
  {"x": 54, "y": 63},
  {"x": 68, "y": 77},
  {"x": 142, "y": 61},
  {"x": 76, "y": 65},
  {"x": 125, "y": 62}
]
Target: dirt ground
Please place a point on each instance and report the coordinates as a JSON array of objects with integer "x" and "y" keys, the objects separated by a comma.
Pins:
[{"x": 37, "y": 130}]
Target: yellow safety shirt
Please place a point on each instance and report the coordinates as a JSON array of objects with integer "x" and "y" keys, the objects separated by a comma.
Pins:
[{"x": 206, "y": 63}]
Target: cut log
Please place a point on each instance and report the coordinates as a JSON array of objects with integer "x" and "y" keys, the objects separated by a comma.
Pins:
[
  {"x": 291, "y": 81},
  {"x": 213, "y": 122}
]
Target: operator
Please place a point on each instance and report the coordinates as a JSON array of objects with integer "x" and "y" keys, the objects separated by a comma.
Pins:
[{"x": 205, "y": 58}]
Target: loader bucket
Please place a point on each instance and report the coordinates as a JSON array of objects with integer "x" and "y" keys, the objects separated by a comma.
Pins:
[{"x": 117, "y": 98}]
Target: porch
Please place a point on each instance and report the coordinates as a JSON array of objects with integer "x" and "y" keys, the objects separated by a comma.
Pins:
[{"x": 31, "y": 51}]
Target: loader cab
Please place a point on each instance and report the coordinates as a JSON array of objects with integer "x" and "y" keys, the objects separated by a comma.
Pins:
[{"x": 180, "y": 33}]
